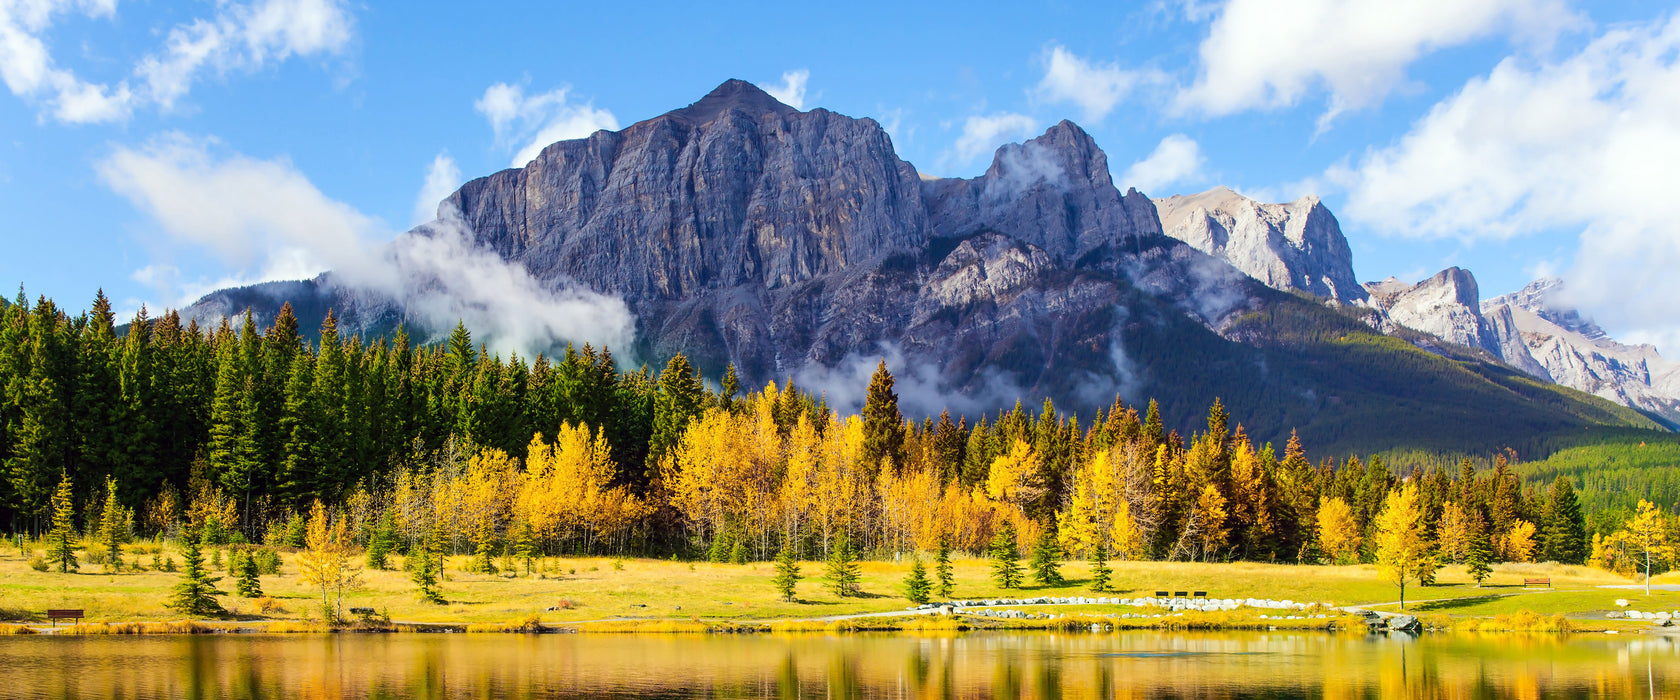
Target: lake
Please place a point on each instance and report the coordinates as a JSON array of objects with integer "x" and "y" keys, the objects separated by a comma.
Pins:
[{"x": 980, "y": 664}]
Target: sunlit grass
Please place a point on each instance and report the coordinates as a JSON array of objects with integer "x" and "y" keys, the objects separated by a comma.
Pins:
[{"x": 583, "y": 589}]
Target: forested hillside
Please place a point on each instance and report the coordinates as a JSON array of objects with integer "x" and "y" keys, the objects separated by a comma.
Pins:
[{"x": 240, "y": 430}]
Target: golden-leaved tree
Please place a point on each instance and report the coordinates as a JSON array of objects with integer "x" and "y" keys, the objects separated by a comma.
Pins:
[
  {"x": 1338, "y": 531},
  {"x": 1404, "y": 552},
  {"x": 325, "y": 561}
]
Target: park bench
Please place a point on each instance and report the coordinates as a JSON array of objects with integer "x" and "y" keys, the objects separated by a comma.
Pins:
[
  {"x": 1199, "y": 594},
  {"x": 1527, "y": 582},
  {"x": 54, "y": 616},
  {"x": 1181, "y": 594},
  {"x": 1160, "y": 594}
]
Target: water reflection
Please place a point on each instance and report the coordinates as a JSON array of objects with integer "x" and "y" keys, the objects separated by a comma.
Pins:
[{"x": 1036, "y": 665}]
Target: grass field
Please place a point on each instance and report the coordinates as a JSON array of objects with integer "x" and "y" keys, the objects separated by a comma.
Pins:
[{"x": 582, "y": 589}]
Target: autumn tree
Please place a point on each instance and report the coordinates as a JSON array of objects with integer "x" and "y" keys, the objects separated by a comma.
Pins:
[
  {"x": 1647, "y": 536},
  {"x": 1404, "y": 552},
  {"x": 325, "y": 561},
  {"x": 1338, "y": 532}
]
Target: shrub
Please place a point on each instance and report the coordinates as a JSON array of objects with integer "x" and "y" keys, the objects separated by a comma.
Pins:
[
  {"x": 269, "y": 606},
  {"x": 38, "y": 563}
]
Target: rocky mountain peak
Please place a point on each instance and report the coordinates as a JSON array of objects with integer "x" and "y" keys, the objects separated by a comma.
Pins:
[
  {"x": 732, "y": 95},
  {"x": 1296, "y": 246},
  {"x": 1542, "y": 298}
]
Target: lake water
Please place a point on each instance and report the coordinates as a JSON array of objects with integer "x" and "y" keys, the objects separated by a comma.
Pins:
[{"x": 977, "y": 665}]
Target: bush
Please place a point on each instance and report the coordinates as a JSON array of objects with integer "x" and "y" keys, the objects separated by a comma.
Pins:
[
  {"x": 38, "y": 563},
  {"x": 268, "y": 561},
  {"x": 269, "y": 606}
]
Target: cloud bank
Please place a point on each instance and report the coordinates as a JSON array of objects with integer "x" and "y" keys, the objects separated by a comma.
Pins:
[
  {"x": 792, "y": 90},
  {"x": 538, "y": 120},
  {"x": 1177, "y": 159}
]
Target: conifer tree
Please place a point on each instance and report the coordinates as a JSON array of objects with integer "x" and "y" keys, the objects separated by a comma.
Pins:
[
  {"x": 1006, "y": 568},
  {"x": 944, "y": 582},
  {"x": 1565, "y": 530},
  {"x": 196, "y": 594},
  {"x": 485, "y": 551},
  {"x": 1046, "y": 559},
  {"x": 61, "y": 540},
  {"x": 730, "y": 388},
  {"x": 883, "y": 425},
  {"x": 916, "y": 584},
  {"x": 1100, "y": 573},
  {"x": 1476, "y": 560},
  {"x": 115, "y": 523},
  {"x": 738, "y": 553},
  {"x": 381, "y": 541},
  {"x": 248, "y": 583},
  {"x": 843, "y": 573},
  {"x": 525, "y": 547},
  {"x": 426, "y": 565},
  {"x": 787, "y": 572}
]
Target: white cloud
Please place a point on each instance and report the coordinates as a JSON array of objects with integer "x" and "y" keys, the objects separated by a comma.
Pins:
[
  {"x": 442, "y": 179},
  {"x": 261, "y": 215},
  {"x": 1588, "y": 141},
  {"x": 1272, "y": 53},
  {"x": 1178, "y": 158},
  {"x": 239, "y": 36},
  {"x": 244, "y": 37},
  {"x": 269, "y": 222},
  {"x": 1095, "y": 88},
  {"x": 983, "y": 134},
  {"x": 792, "y": 90},
  {"x": 538, "y": 120}
]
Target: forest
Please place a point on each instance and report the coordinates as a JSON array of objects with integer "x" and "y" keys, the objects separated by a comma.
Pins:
[{"x": 241, "y": 432}]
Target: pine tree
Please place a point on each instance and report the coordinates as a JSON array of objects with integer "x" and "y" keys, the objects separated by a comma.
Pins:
[
  {"x": 61, "y": 540},
  {"x": 738, "y": 553},
  {"x": 730, "y": 388},
  {"x": 1046, "y": 560},
  {"x": 196, "y": 594},
  {"x": 1006, "y": 568},
  {"x": 787, "y": 572},
  {"x": 525, "y": 547},
  {"x": 1100, "y": 572},
  {"x": 1476, "y": 560},
  {"x": 843, "y": 573},
  {"x": 944, "y": 582},
  {"x": 916, "y": 584},
  {"x": 248, "y": 585}
]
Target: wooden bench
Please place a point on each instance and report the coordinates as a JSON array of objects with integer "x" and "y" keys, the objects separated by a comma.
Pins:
[
  {"x": 55, "y": 615},
  {"x": 1181, "y": 594},
  {"x": 1199, "y": 594},
  {"x": 1160, "y": 594},
  {"x": 1527, "y": 582}
]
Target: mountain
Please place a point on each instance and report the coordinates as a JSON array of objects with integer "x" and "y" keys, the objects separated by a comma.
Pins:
[
  {"x": 1578, "y": 354},
  {"x": 797, "y": 243},
  {"x": 1296, "y": 246}
]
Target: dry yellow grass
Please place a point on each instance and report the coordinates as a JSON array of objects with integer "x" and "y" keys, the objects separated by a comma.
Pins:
[{"x": 585, "y": 589}]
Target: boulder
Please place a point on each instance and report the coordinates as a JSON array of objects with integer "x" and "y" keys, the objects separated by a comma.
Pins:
[{"x": 1404, "y": 623}]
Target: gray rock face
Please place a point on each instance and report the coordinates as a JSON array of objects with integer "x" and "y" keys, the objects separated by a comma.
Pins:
[
  {"x": 1296, "y": 246},
  {"x": 1576, "y": 352},
  {"x": 1448, "y": 306},
  {"x": 1053, "y": 192}
]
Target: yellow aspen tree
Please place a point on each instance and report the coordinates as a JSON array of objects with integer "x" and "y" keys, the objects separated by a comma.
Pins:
[
  {"x": 1403, "y": 548},
  {"x": 1010, "y": 477},
  {"x": 1125, "y": 539},
  {"x": 1454, "y": 533},
  {"x": 325, "y": 561},
  {"x": 1338, "y": 531},
  {"x": 1647, "y": 536},
  {"x": 1211, "y": 511},
  {"x": 1518, "y": 543}
]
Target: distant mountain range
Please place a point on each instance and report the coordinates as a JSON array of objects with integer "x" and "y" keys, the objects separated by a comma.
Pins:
[{"x": 798, "y": 244}]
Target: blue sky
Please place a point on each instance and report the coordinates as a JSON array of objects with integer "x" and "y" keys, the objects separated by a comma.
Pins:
[{"x": 162, "y": 149}]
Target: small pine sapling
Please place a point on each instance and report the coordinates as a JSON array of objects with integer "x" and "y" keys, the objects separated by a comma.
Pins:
[
  {"x": 916, "y": 584},
  {"x": 1100, "y": 573},
  {"x": 944, "y": 581},
  {"x": 787, "y": 573}
]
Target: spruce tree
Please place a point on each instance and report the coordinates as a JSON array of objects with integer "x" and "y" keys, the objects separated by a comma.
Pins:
[
  {"x": 883, "y": 425},
  {"x": 738, "y": 553},
  {"x": 916, "y": 584},
  {"x": 525, "y": 547},
  {"x": 1006, "y": 569},
  {"x": 944, "y": 581},
  {"x": 61, "y": 540},
  {"x": 248, "y": 585},
  {"x": 1046, "y": 559},
  {"x": 843, "y": 573},
  {"x": 196, "y": 594},
  {"x": 426, "y": 566},
  {"x": 380, "y": 543},
  {"x": 115, "y": 521},
  {"x": 1564, "y": 528},
  {"x": 787, "y": 572},
  {"x": 1100, "y": 572},
  {"x": 1476, "y": 561}
]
